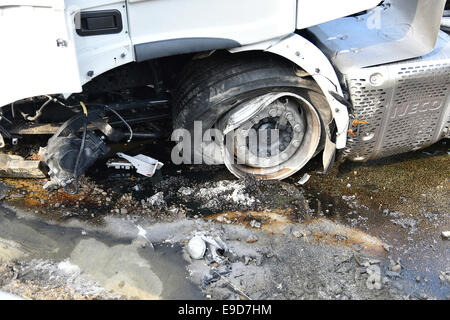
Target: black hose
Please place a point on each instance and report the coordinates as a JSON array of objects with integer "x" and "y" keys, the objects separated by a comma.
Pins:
[
  {"x": 123, "y": 120},
  {"x": 77, "y": 162}
]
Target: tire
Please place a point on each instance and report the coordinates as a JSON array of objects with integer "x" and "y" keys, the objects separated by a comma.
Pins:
[{"x": 209, "y": 88}]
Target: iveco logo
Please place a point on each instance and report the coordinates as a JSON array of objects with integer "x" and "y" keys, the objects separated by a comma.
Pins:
[{"x": 413, "y": 108}]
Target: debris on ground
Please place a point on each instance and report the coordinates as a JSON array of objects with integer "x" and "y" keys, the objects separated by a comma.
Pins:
[
  {"x": 396, "y": 268},
  {"x": 255, "y": 224},
  {"x": 14, "y": 166},
  {"x": 252, "y": 238},
  {"x": 253, "y": 232},
  {"x": 61, "y": 280},
  {"x": 144, "y": 165},
  {"x": 445, "y": 234},
  {"x": 445, "y": 276},
  {"x": 407, "y": 223},
  {"x": 304, "y": 179},
  {"x": 374, "y": 279},
  {"x": 157, "y": 200},
  {"x": 196, "y": 248}
]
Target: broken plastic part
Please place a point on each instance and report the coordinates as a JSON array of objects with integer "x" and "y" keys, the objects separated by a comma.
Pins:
[
  {"x": 144, "y": 165},
  {"x": 304, "y": 179},
  {"x": 61, "y": 153},
  {"x": 119, "y": 164},
  {"x": 13, "y": 166}
]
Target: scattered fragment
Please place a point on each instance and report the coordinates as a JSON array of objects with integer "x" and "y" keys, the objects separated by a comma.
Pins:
[
  {"x": 406, "y": 223},
  {"x": 143, "y": 233},
  {"x": 252, "y": 238},
  {"x": 396, "y": 214},
  {"x": 396, "y": 268},
  {"x": 68, "y": 268},
  {"x": 304, "y": 179},
  {"x": 17, "y": 196},
  {"x": 196, "y": 248},
  {"x": 157, "y": 200},
  {"x": 255, "y": 224},
  {"x": 444, "y": 276},
  {"x": 144, "y": 165},
  {"x": 214, "y": 245},
  {"x": 445, "y": 234},
  {"x": 374, "y": 280},
  {"x": 119, "y": 164},
  {"x": 392, "y": 274},
  {"x": 297, "y": 234}
]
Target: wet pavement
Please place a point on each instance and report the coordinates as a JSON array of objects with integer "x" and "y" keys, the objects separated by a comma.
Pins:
[{"x": 320, "y": 240}]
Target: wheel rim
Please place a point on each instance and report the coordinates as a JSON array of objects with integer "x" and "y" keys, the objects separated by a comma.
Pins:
[{"x": 273, "y": 136}]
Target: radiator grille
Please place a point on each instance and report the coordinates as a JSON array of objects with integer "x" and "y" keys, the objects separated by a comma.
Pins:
[{"x": 406, "y": 110}]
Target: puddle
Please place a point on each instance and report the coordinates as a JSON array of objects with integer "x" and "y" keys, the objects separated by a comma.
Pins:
[{"x": 122, "y": 266}]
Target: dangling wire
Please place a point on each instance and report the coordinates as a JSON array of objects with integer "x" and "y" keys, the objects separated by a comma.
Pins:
[
  {"x": 80, "y": 152},
  {"x": 123, "y": 120}
]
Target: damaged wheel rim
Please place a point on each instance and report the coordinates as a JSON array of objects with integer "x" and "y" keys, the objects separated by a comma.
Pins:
[{"x": 271, "y": 136}]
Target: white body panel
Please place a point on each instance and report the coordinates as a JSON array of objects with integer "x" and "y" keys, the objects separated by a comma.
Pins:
[
  {"x": 31, "y": 62},
  {"x": 35, "y": 65},
  {"x": 312, "y": 12},
  {"x": 100, "y": 53},
  {"x": 244, "y": 21}
]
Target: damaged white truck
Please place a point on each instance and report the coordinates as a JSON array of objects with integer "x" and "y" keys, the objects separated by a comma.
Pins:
[{"x": 355, "y": 79}]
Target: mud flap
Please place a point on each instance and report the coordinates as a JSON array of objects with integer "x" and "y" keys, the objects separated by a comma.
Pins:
[{"x": 329, "y": 152}]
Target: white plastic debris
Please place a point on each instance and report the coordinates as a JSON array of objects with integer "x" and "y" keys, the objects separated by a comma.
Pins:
[
  {"x": 214, "y": 244},
  {"x": 68, "y": 268},
  {"x": 446, "y": 234},
  {"x": 144, "y": 165},
  {"x": 374, "y": 281},
  {"x": 143, "y": 233},
  {"x": 255, "y": 224},
  {"x": 196, "y": 248},
  {"x": 119, "y": 164},
  {"x": 304, "y": 179}
]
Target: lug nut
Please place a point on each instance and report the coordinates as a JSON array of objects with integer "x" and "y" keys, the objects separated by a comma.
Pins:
[
  {"x": 297, "y": 128},
  {"x": 289, "y": 116}
]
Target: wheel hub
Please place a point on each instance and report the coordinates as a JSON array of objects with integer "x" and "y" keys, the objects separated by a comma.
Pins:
[{"x": 273, "y": 135}]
